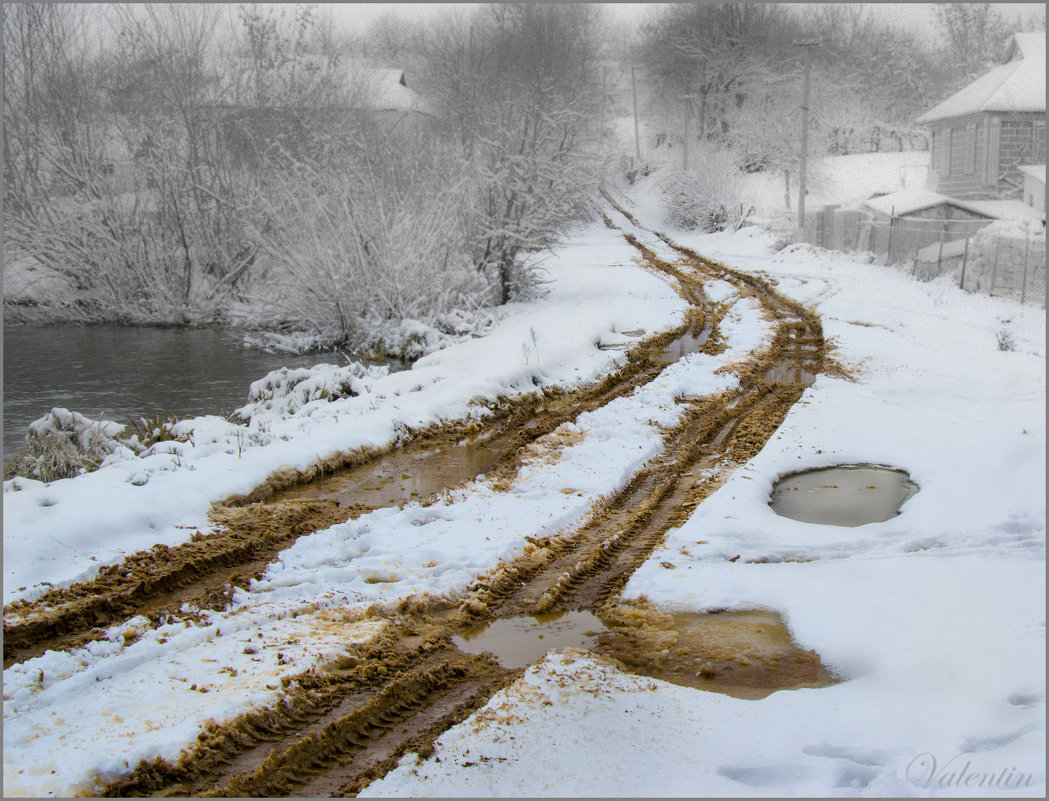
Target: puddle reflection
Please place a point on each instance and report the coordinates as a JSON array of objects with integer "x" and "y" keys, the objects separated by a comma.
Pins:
[
  {"x": 849, "y": 495},
  {"x": 522, "y": 641},
  {"x": 399, "y": 476}
]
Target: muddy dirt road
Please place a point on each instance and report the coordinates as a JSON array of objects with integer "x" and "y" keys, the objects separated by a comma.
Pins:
[{"x": 341, "y": 727}]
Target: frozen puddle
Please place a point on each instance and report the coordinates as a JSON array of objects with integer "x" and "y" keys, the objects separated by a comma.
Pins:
[
  {"x": 848, "y": 495},
  {"x": 790, "y": 374},
  {"x": 522, "y": 641}
]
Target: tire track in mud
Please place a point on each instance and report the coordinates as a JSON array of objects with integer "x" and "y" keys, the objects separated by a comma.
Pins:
[
  {"x": 343, "y": 725},
  {"x": 254, "y": 529}
]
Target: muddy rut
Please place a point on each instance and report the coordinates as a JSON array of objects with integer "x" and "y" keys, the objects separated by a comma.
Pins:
[
  {"x": 341, "y": 726},
  {"x": 254, "y": 528}
]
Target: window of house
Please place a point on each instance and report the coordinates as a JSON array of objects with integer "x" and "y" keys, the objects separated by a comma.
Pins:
[
  {"x": 970, "y": 149},
  {"x": 1039, "y": 143},
  {"x": 947, "y": 150}
]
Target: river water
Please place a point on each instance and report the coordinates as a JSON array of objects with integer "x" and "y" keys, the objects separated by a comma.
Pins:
[{"x": 118, "y": 372}]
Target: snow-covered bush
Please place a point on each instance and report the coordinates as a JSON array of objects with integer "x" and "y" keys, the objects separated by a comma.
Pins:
[
  {"x": 287, "y": 391},
  {"x": 709, "y": 197},
  {"x": 64, "y": 444},
  {"x": 409, "y": 339},
  {"x": 366, "y": 239},
  {"x": 1008, "y": 257}
]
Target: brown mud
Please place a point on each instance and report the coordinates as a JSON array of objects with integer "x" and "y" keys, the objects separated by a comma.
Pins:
[
  {"x": 156, "y": 583},
  {"x": 341, "y": 725},
  {"x": 255, "y": 527}
]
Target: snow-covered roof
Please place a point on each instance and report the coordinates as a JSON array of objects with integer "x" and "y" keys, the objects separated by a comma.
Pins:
[
  {"x": 377, "y": 88},
  {"x": 907, "y": 201},
  {"x": 1018, "y": 85},
  {"x": 386, "y": 89},
  {"x": 910, "y": 201},
  {"x": 1002, "y": 209},
  {"x": 1035, "y": 171}
]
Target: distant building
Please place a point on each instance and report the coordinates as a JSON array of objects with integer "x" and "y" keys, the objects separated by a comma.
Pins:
[
  {"x": 928, "y": 206},
  {"x": 298, "y": 107},
  {"x": 983, "y": 134}
]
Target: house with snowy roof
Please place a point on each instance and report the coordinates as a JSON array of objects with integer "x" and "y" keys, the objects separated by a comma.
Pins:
[
  {"x": 317, "y": 96},
  {"x": 984, "y": 133}
]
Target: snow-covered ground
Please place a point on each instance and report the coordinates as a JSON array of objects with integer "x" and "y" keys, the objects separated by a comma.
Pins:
[
  {"x": 137, "y": 678},
  {"x": 934, "y": 619},
  {"x": 62, "y": 532}
]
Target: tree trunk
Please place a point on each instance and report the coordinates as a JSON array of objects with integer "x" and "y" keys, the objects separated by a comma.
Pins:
[{"x": 504, "y": 281}]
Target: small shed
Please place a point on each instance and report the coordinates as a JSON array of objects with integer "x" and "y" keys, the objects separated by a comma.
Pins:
[
  {"x": 924, "y": 204},
  {"x": 919, "y": 222}
]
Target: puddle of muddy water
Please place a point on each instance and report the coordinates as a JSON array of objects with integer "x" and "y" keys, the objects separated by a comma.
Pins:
[
  {"x": 746, "y": 654},
  {"x": 790, "y": 374},
  {"x": 849, "y": 495},
  {"x": 400, "y": 476},
  {"x": 522, "y": 641},
  {"x": 683, "y": 346}
]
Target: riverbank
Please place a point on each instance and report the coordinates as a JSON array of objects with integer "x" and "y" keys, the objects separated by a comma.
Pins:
[
  {"x": 596, "y": 294},
  {"x": 119, "y": 373}
]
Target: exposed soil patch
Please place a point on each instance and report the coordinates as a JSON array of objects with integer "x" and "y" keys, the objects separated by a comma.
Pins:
[
  {"x": 157, "y": 582},
  {"x": 746, "y": 654}
]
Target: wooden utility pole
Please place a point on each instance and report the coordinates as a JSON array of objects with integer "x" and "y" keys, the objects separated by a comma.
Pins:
[
  {"x": 808, "y": 44},
  {"x": 637, "y": 135},
  {"x": 687, "y": 138},
  {"x": 604, "y": 101}
]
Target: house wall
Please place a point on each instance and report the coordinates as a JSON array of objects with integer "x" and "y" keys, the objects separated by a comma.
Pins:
[
  {"x": 977, "y": 156},
  {"x": 959, "y": 165},
  {"x": 1022, "y": 142}
]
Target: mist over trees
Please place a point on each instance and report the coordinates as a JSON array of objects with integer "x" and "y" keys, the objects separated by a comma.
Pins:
[
  {"x": 728, "y": 77},
  {"x": 265, "y": 168},
  {"x": 187, "y": 176}
]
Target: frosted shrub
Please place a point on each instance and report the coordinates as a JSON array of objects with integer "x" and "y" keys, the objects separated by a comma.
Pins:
[
  {"x": 287, "y": 391},
  {"x": 64, "y": 444},
  {"x": 1001, "y": 253},
  {"x": 410, "y": 339},
  {"x": 365, "y": 242},
  {"x": 709, "y": 197}
]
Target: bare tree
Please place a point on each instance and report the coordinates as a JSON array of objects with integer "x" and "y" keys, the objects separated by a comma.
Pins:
[
  {"x": 54, "y": 137},
  {"x": 974, "y": 34},
  {"x": 515, "y": 88}
]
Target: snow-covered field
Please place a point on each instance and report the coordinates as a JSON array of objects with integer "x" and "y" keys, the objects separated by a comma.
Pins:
[{"x": 934, "y": 619}]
